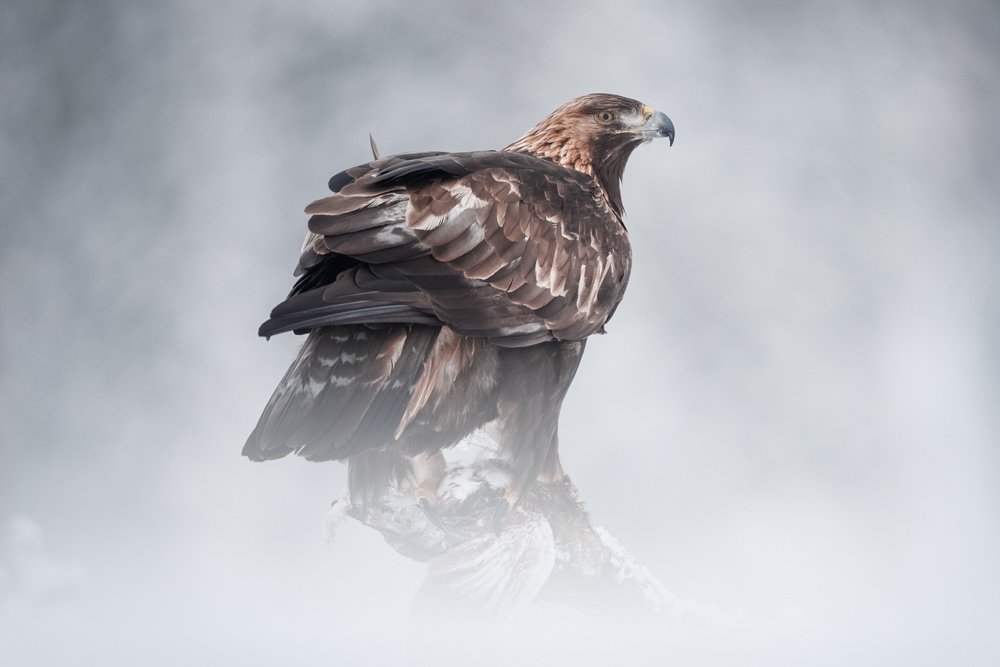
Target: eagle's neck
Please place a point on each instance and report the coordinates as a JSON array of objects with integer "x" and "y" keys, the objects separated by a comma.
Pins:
[
  {"x": 602, "y": 157},
  {"x": 559, "y": 147}
]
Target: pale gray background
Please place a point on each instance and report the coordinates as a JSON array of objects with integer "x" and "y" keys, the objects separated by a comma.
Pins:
[{"x": 793, "y": 419}]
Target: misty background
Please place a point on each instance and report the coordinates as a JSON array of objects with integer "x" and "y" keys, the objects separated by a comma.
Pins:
[{"x": 793, "y": 419}]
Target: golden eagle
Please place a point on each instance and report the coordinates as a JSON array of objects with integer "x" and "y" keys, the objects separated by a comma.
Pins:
[{"x": 444, "y": 291}]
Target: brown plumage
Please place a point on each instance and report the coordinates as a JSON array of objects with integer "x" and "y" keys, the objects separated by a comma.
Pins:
[{"x": 443, "y": 291}]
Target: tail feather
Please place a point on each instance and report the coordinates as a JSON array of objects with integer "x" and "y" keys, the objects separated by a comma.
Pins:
[
  {"x": 348, "y": 376},
  {"x": 345, "y": 392}
]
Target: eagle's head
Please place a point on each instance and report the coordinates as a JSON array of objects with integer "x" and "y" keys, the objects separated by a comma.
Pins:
[{"x": 595, "y": 134}]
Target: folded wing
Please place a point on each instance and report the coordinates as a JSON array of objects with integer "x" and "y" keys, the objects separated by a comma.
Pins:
[{"x": 496, "y": 245}]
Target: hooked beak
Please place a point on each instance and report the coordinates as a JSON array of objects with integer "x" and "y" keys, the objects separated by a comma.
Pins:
[{"x": 657, "y": 125}]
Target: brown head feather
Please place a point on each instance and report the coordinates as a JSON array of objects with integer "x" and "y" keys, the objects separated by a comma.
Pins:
[{"x": 576, "y": 136}]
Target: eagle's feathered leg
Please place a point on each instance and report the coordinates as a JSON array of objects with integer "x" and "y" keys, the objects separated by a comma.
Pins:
[{"x": 533, "y": 384}]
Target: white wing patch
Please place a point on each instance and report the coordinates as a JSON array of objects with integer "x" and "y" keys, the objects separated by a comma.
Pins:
[
  {"x": 464, "y": 200},
  {"x": 314, "y": 387},
  {"x": 587, "y": 290},
  {"x": 389, "y": 236}
]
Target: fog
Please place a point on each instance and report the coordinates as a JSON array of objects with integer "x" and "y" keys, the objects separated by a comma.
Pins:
[{"x": 792, "y": 421}]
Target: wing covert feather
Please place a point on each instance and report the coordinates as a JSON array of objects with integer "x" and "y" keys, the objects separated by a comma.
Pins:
[{"x": 503, "y": 245}]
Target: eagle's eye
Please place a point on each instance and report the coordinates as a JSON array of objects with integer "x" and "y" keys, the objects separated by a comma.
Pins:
[{"x": 605, "y": 117}]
